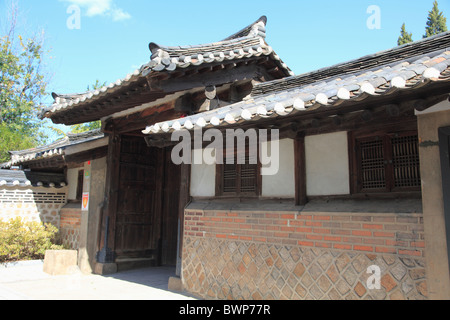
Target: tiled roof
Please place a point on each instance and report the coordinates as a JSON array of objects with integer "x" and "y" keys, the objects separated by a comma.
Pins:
[
  {"x": 52, "y": 150},
  {"x": 247, "y": 43},
  {"x": 13, "y": 178},
  {"x": 280, "y": 98}
]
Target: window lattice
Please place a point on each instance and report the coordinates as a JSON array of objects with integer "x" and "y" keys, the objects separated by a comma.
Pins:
[
  {"x": 405, "y": 158},
  {"x": 373, "y": 172},
  {"x": 389, "y": 163}
]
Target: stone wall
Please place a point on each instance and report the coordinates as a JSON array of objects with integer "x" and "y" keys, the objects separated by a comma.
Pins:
[
  {"x": 32, "y": 204},
  {"x": 303, "y": 255}
]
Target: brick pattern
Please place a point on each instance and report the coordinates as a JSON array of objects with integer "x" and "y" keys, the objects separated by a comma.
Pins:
[
  {"x": 70, "y": 228},
  {"x": 375, "y": 233},
  {"x": 228, "y": 269},
  {"x": 32, "y": 204},
  {"x": 285, "y": 255}
]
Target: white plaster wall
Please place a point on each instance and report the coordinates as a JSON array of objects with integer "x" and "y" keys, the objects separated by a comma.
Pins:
[
  {"x": 327, "y": 164},
  {"x": 203, "y": 177},
  {"x": 282, "y": 184}
]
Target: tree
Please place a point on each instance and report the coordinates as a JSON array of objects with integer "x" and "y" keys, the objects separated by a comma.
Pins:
[
  {"x": 22, "y": 89},
  {"x": 405, "y": 37},
  {"x": 436, "y": 22},
  {"x": 79, "y": 128}
]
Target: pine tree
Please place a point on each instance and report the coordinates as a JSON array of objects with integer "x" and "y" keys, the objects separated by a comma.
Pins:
[
  {"x": 405, "y": 37},
  {"x": 436, "y": 22}
]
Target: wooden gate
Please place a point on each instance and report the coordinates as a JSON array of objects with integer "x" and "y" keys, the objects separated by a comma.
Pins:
[
  {"x": 146, "y": 212},
  {"x": 136, "y": 234}
]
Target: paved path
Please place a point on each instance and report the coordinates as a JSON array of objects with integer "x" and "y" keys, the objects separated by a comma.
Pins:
[{"x": 27, "y": 281}]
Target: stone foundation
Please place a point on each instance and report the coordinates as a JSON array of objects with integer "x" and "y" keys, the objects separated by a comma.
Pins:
[
  {"x": 222, "y": 269},
  {"x": 305, "y": 254}
]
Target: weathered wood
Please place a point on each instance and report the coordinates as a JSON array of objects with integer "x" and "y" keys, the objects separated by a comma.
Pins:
[
  {"x": 81, "y": 157},
  {"x": 171, "y": 210},
  {"x": 367, "y": 115},
  {"x": 184, "y": 104},
  {"x": 185, "y": 184},
  {"x": 135, "y": 213},
  {"x": 300, "y": 170},
  {"x": 111, "y": 191},
  {"x": 392, "y": 110},
  {"x": 209, "y": 78}
]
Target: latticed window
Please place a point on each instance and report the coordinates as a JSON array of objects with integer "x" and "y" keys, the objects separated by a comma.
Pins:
[
  {"x": 240, "y": 178},
  {"x": 388, "y": 162}
]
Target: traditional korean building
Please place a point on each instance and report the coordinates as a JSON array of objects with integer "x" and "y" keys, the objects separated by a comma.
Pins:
[
  {"x": 357, "y": 207},
  {"x": 141, "y": 209}
]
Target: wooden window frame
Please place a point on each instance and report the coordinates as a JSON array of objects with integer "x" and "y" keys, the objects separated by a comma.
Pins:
[
  {"x": 220, "y": 176},
  {"x": 386, "y": 136}
]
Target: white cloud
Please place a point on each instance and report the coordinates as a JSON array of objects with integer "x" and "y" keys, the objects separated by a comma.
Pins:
[
  {"x": 101, "y": 8},
  {"x": 118, "y": 15}
]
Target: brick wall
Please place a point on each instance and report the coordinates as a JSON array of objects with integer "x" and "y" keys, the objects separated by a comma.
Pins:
[
  {"x": 32, "y": 204},
  {"x": 297, "y": 255},
  {"x": 70, "y": 226}
]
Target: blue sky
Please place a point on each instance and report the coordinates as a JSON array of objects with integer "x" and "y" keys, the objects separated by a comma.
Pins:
[{"x": 113, "y": 37}]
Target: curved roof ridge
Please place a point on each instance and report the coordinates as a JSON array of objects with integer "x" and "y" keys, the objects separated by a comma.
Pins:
[
  {"x": 252, "y": 33},
  {"x": 262, "y": 21}
]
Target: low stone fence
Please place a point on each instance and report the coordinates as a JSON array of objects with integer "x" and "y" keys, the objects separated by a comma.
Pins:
[{"x": 32, "y": 203}]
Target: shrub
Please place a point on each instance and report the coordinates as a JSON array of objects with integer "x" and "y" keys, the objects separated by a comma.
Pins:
[{"x": 20, "y": 240}]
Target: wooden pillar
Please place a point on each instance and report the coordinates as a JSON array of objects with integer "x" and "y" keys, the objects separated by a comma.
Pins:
[
  {"x": 108, "y": 220},
  {"x": 185, "y": 197},
  {"x": 159, "y": 196},
  {"x": 300, "y": 170}
]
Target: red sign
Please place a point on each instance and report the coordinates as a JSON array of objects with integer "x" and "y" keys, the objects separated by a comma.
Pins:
[{"x": 85, "y": 203}]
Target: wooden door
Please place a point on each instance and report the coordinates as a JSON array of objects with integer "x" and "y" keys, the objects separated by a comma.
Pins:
[{"x": 137, "y": 213}]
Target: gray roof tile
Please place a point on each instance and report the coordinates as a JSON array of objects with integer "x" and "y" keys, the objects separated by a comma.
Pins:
[
  {"x": 16, "y": 178},
  {"x": 287, "y": 97}
]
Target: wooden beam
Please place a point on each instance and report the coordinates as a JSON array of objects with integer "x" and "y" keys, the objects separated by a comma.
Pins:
[
  {"x": 185, "y": 198},
  {"x": 88, "y": 155},
  {"x": 300, "y": 170},
  {"x": 393, "y": 110},
  {"x": 184, "y": 104},
  {"x": 208, "y": 79}
]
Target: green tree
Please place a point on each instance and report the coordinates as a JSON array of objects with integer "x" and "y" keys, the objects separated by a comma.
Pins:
[
  {"x": 405, "y": 37},
  {"x": 79, "y": 128},
  {"x": 436, "y": 22},
  {"x": 22, "y": 90}
]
